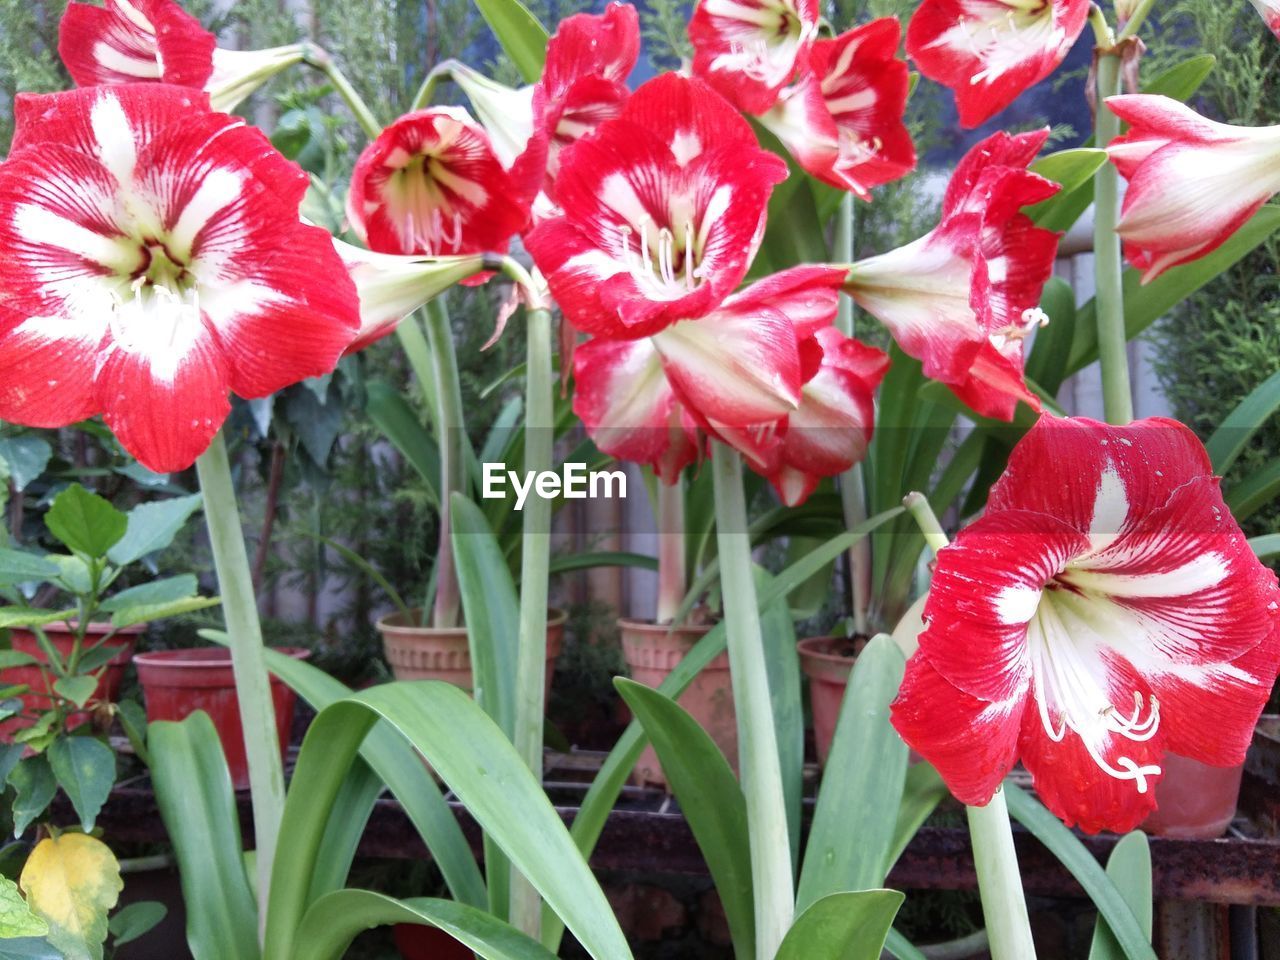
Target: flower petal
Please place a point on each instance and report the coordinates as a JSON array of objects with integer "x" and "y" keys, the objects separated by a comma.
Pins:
[
  {"x": 47, "y": 365},
  {"x": 971, "y": 742},
  {"x": 750, "y": 49},
  {"x": 130, "y": 41}
]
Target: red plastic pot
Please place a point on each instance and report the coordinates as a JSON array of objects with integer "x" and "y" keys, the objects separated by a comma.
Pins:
[
  {"x": 62, "y": 636},
  {"x": 652, "y": 651},
  {"x": 1194, "y": 801},
  {"x": 177, "y": 683},
  {"x": 417, "y": 941},
  {"x": 827, "y": 662}
]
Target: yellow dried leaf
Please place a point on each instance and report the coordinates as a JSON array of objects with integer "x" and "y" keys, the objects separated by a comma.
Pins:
[{"x": 73, "y": 881}]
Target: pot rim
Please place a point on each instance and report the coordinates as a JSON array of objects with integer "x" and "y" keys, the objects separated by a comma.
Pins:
[
  {"x": 813, "y": 647},
  {"x": 652, "y": 627},
  {"x": 556, "y": 617},
  {"x": 174, "y": 659},
  {"x": 96, "y": 628}
]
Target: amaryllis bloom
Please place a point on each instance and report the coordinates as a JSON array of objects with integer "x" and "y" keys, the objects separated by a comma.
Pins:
[
  {"x": 989, "y": 51},
  {"x": 1270, "y": 11},
  {"x": 961, "y": 298},
  {"x": 390, "y": 286},
  {"x": 843, "y": 120},
  {"x": 740, "y": 365},
  {"x": 830, "y": 429},
  {"x": 1105, "y": 609},
  {"x": 750, "y": 49},
  {"x": 1192, "y": 182},
  {"x": 430, "y": 185},
  {"x": 154, "y": 260},
  {"x": 663, "y": 211},
  {"x": 141, "y": 41}
]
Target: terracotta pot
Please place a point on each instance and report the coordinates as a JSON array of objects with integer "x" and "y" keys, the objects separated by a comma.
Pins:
[
  {"x": 417, "y": 941},
  {"x": 652, "y": 651},
  {"x": 827, "y": 662},
  {"x": 177, "y": 683},
  {"x": 62, "y": 636},
  {"x": 1194, "y": 801},
  {"x": 425, "y": 653}
]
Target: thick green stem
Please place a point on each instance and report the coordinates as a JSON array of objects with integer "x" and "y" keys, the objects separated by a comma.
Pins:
[
  {"x": 451, "y": 436},
  {"x": 1140, "y": 13},
  {"x": 999, "y": 883},
  {"x": 531, "y": 660},
  {"x": 249, "y": 665},
  {"x": 673, "y": 579},
  {"x": 1004, "y": 904},
  {"x": 853, "y": 495},
  {"x": 1117, "y": 395},
  {"x": 761, "y": 772},
  {"x": 322, "y": 61}
]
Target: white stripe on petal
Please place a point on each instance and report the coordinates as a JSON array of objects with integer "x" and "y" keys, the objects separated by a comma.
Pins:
[
  {"x": 113, "y": 136},
  {"x": 218, "y": 190},
  {"x": 39, "y": 225}
]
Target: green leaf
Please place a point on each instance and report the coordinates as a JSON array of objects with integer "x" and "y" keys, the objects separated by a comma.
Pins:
[
  {"x": 392, "y": 415},
  {"x": 85, "y": 522},
  {"x": 592, "y": 560},
  {"x": 1266, "y": 546},
  {"x": 16, "y": 918},
  {"x": 136, "y": 920},
  {"x": 923, "y": 791},
  {"x": 73, "y": 573},
  {"x": 32, "y": 616},
  {"x": 1234, "y": 433},
  {"x": 402, "y": 771},
  {"x": 76, "y": 689},
  {"x": 333, "y": 922},
  {"x": 38, "y": 735},
  {"x": 85, "y": 767},
  {"x": 491, "y": 609},
  {"x": 29, "y": 948},
  {"x": 27, "y": 457},
  {"x": 1143, "y": 305},
  {"x": 851, "y": 925},
  {"x": 522, "y": 37},
  {"x": 129, "y": 616},
  {"x": 1129, "y": 868},
  {"x": 133, "y": 720},
  {"x": 710, "y": 798},
  {"x": 1080, "y": 863},
  {"x": 157, "y": 591},
  {"x": 1183, "y": 80},
  {"x": 1254, "y": 492},
  {"x": 152, "y": 526},
  {"x": 469, "y": 752},
  {"x": 1074, "y": 170},
  {"x": 10, "y": 754},
  {"x": 1047, "y": 362},
  {"x": 16, "y": 658},
  {"x": 198, "y": 807},
  {"x": 17, "y": 566},
  {"x": 347, "y": 820},
  {"x": 782, "y": 661},
  {"x": 853, "y": 825},
  {"x": 35, "y": 786}
]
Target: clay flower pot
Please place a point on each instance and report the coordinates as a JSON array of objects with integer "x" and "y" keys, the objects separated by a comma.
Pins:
[
  {"x": 827, "y": 662},
  {"x": 652, "y": 651},
  {"x": 425, "y": 653},
  {"x": 62, "y": 636},
  {"x": 177, "y": 683},
  {"x": 1194, "y": 801}
]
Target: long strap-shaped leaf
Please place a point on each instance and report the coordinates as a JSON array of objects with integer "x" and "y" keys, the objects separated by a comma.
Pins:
[
  {"x": 851, "y": 925},
  {"x": 470, "y": 754},
  {"x": 710, "y": 799},
  {"x": 1073, "y": 855},
  {"x": 522, "y": 37},
  {"x": 400, "y": 769},
  {"x": 853, "y": 825},
  {"x": 604, "y": 790},
  {"x": 334, "y": 921},
  {"x": 1129, "y": 868},
  {"x": 198, "y": 807},
  {"x": 1234, "y": 433}
]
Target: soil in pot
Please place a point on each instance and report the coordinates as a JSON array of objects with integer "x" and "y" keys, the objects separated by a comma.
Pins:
[
  {"x": 427, "y": 653},
  {"x": 1194, "y": 801},
  {"x": 62, "y": 636},
  {"x": 827, "y": 662},
  {"x": 177, "y": 683},
  {"x": 652, "y": 651}
]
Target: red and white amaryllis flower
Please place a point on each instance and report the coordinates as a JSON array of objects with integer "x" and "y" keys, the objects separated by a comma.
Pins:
[
  {"x": 1104, "y": 610},
  {"x": 391, "y": 286},
  {"x": 156, "y": 41},
  {"x": 154, "y": 260},
  {"x": 663, "y": 211},
  {"x": 1270, "y": 11},
  {"x": 961, "y": 298},
  {"x": 750, "y": 49},
  {"x": 989, "y": 51},
  {"x": 843, "y": 120},
  {"x": 1192, "y": 182},
  {"x": 430, "y": 185}
]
